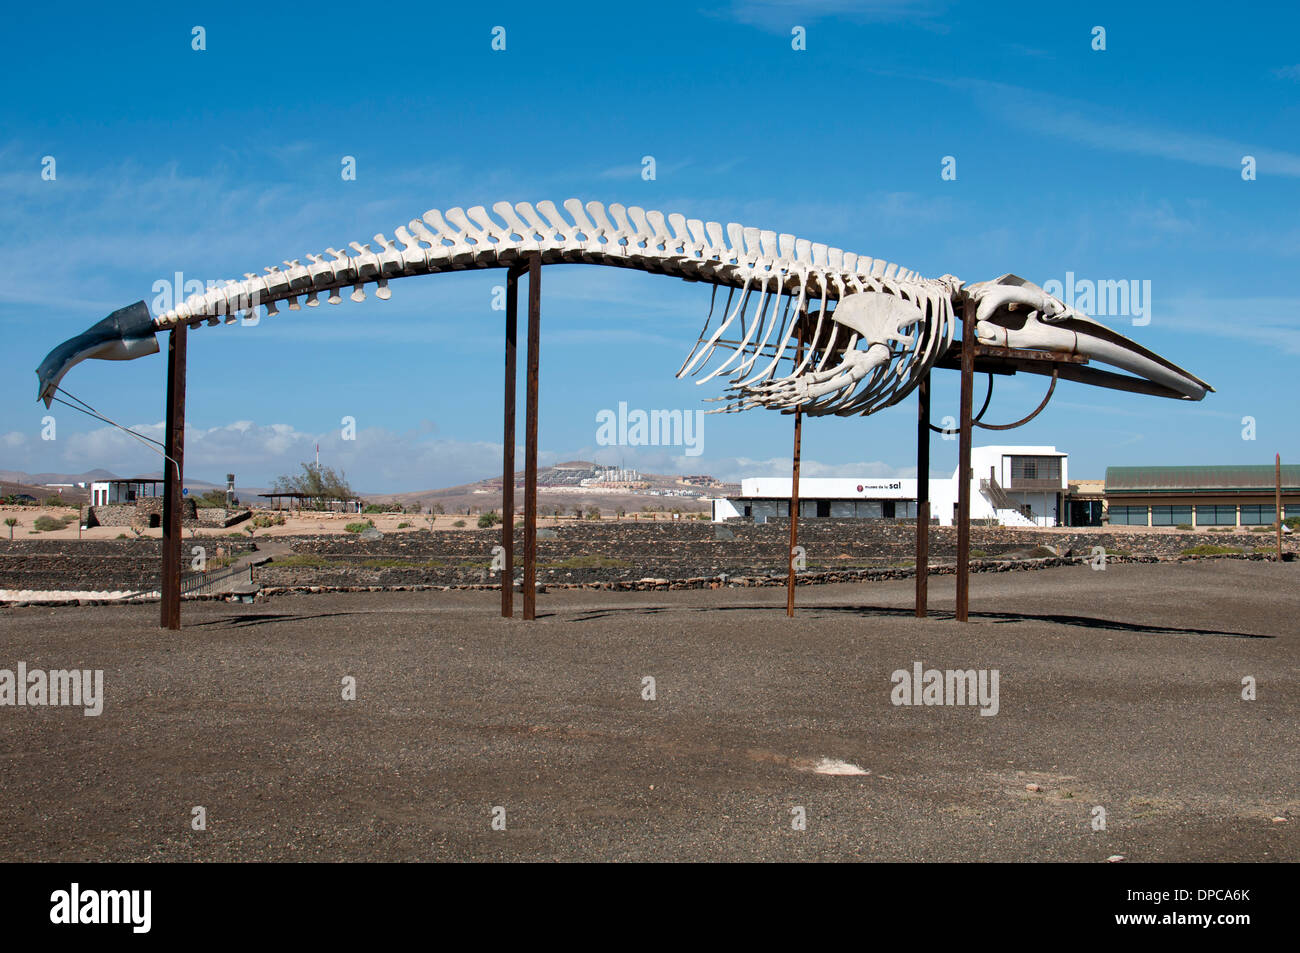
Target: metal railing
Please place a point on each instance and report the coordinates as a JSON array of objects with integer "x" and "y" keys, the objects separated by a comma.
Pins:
[
  {"x": 993, "y": 490},
  {"x": 202, "y": 582}
]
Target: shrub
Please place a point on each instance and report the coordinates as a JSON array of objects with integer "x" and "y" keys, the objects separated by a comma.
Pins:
[
  {"x": 47, "y": 524},
  {"x": 1207, "y": 549},
  {"x": 977, "y": 554},
  {"x": 358, "y": 527},
  {"x": 53, "y": 501},
  {"x": 1183, "y": 526},
  {"x": 593, "y": 513},
  {"x": 458, "y": 524},
  {"x": 403, "y": 525},
  {"x": 123, "y": 536},
  {"x": 488, "y": 520},
  {"x": 1261, "y": 529}
]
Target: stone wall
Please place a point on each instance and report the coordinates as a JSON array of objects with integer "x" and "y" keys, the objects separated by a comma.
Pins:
[
  {"x": 613, "y": 555},
  {"x": 628, "y": 552},
  {"x": 92, "y": 565},
  {"x": 142, "y": 514}
]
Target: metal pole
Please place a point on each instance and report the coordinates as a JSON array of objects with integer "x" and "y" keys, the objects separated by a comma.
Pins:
[
  {"x": 963, "y": 459},
  {"x": 530, "y": 437},
  {"x": 1277, "y": 477},
  {"x": 173, "y": 475},
  {"x": 794, "y": 515},
  {"x": 794, "y": 492},
  {"x": 923, "y": 497},
  {"x": 508, "y": 454}
]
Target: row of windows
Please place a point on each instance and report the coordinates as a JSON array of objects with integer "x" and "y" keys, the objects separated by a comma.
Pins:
[
  {"x": 1252, "y": 514},
  {"x": 835, "y": 509}
]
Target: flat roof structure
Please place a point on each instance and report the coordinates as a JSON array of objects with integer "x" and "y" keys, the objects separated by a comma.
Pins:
[
  {"x": 1226, "y": 495},
  {"x": 1200, "y": 479}
]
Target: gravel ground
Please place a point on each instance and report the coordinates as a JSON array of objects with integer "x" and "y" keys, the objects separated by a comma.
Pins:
[{"x": 1119, "y": 689}]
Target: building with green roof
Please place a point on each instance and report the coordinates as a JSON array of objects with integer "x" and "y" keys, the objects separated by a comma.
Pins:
[{"x": 1199, "y": 496}]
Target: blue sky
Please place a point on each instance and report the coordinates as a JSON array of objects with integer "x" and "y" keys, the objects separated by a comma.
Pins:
[{"x": 1117, "y": 164}]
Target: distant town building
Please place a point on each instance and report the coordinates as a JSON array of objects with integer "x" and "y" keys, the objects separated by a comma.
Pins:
[{"x": 123, "y": 492}]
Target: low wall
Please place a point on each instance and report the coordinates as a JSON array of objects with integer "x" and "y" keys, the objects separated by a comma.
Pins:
[{"x": 618, "y": 555}]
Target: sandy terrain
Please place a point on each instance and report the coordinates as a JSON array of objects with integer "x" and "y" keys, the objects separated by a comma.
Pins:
[
  {"x": 314, "y": 523},
  {"x": 1118, "y": 689},
  {"x": 295, "y": 525}
]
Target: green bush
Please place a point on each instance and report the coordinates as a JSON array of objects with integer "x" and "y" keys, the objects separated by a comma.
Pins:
[
  {"x": 488, "y": 520},
  {"x": 47, "y": 524},
  {"x": 1183, "y": 526},
  {"x": 458, "y": 523},
  {"x": 1207, "y": 549},
  {"x": 358, "y": 527},
  {"x": 403, "y": 525}
]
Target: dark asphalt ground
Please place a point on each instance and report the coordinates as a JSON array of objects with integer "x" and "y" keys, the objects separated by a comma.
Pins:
[{"x": 1119, "y": 689}]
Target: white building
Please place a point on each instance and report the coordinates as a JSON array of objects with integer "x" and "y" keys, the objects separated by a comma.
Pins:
[
  {"x": 123, "y": 492},
  {"x": 1016, "y": 486}
]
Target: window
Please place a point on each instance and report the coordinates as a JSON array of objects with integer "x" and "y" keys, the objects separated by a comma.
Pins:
[
  {"x": 1035, "y": 468},
  {"x": 1216, "y": 515},
  {"x": 1256, "y": 514},
  {"x": 1171, "y": 515},
  {"x": 1128, "y": 515}
]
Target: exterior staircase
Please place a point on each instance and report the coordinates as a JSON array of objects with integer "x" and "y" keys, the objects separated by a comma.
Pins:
[{"x": 1009, "y": 514}]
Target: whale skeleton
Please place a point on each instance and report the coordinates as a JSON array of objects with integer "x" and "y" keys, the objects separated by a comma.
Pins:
[{"x": 804, "y": 326}]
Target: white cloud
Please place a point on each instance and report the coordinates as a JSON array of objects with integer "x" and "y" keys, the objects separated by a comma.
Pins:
[
  {"x": 781, "y": 15},
  {"x": 1101, "y": 128},
  {"x": 1266, "y": 321}
]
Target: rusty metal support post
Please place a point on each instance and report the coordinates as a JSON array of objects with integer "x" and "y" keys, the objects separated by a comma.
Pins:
[
  {"x": 963, "y": 458},
  {"x": 508, "y": 451},
  {"x": 1277, "y": 479},
  {"x": 173, "y": 475},
  {"x": 794, "y": 515},
  {"x": 923, "y": 497},
  {"x": 530, "y": 437}
]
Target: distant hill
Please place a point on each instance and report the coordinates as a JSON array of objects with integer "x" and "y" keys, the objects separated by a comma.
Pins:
[{"x": 558, "y": 489}]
